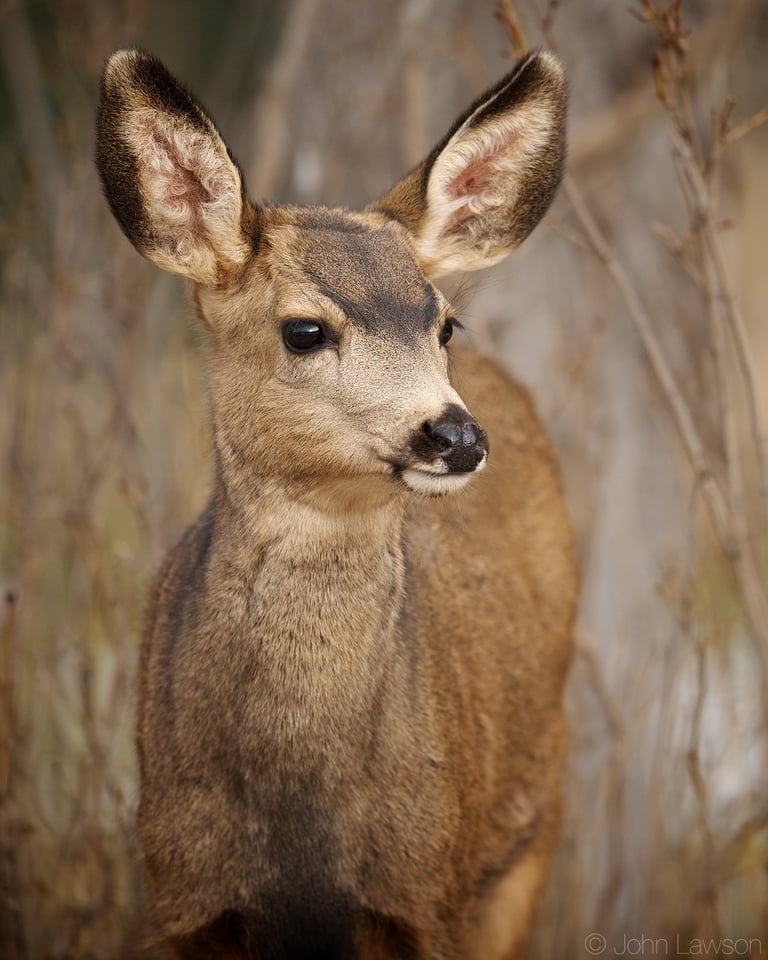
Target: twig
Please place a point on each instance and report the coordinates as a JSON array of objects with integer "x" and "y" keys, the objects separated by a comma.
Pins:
[
  {"x": 27, "y": 88},
  {"x": 726, "y": 524},
  {"x": 682, "y": 414},
  {"x": 586, "y": 650},
  {"x": 12, "y": 944},
  {"x": 709, "y": 887},
  {"x": 506, "y": 14},
  {"x": 548, "y": 24},
  {"x": 742, "y": 129},
  {"x": 6, "y": 692},
  {"x": 414, "y": 15},
  {"x": 724, "y": 409},
  {"x": 703, "y": 210},
  {"x": 562, "y": 228},
  {"x": 615, "y": 792},
  {"x": 270, "y": 141},
  {"x": 698, "y": 173},
  {"x": 743, "y": 836}
]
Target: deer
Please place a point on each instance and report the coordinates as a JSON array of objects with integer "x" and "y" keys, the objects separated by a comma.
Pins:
[{"x": 350, "y": 726}]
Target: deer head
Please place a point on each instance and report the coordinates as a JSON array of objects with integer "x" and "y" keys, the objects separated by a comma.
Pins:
[{"x": 328, "y": 338}]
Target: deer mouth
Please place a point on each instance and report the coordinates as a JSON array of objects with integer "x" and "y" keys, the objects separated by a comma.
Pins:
[{"x": 438, "y": 480}]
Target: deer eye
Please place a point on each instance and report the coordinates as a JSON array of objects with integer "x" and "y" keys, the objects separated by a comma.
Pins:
[
  {"x": 303, "y": 336},
  {"x": 447, "y": 332}
]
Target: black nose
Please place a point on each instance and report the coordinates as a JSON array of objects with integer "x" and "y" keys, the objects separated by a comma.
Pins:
[{"x": 460, "y": 443}]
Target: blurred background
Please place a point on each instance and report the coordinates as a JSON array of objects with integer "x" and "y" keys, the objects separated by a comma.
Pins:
[{"x": 636, "y": 313}]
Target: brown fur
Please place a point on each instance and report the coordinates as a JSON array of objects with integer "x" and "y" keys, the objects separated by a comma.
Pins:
[{"x": 350, "y": 724}]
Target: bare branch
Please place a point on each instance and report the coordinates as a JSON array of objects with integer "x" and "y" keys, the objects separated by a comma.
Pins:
[
  {"x": 747, "y": 126},
  {"x": 727, "y": 525},
  {"x": 506, "y": 14},
  {"x": 6, "y": 692},
  {"x": 702, "y": 209},
  {"x": 698, "y": 780},
  {"x": 270, "y": 139}
]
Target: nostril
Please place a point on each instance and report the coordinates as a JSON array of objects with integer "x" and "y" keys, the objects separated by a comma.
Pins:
[
  {"x": 470, "y": 435},
  {"x": 445, "y": 436}
]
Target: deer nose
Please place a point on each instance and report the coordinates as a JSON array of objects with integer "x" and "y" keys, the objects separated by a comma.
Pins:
[{"x": 460, "y": 444}]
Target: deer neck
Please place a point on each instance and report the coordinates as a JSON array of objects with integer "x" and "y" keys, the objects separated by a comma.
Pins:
[
  {"x": 317, "y": 593},
  {"x": 309, "y": 522}
]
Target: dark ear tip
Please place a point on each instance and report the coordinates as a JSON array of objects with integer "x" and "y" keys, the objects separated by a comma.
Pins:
[
  {"x": 132, "y": 66},
  {"x": 545, "y": 60},
  {"x": 546, "y": 69},
  {"x": 132, "y": 77},
  {"x": 122, "y": 63}
]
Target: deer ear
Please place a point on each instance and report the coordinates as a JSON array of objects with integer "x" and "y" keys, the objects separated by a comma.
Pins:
[
  {"x": 168, "y": 175},
  {"x": 490, "y": 180}
]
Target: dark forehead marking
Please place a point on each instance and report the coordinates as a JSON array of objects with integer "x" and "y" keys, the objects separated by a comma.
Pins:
[{"x": 372, "y": 276}]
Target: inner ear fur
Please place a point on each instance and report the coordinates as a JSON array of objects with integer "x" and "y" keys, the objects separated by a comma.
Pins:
[
  {"x": 168, "y": 175},
  {"x": 492, "y": 177}
]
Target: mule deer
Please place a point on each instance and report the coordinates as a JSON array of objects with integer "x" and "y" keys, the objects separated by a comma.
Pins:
[{"x": 350, "y": 724}]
